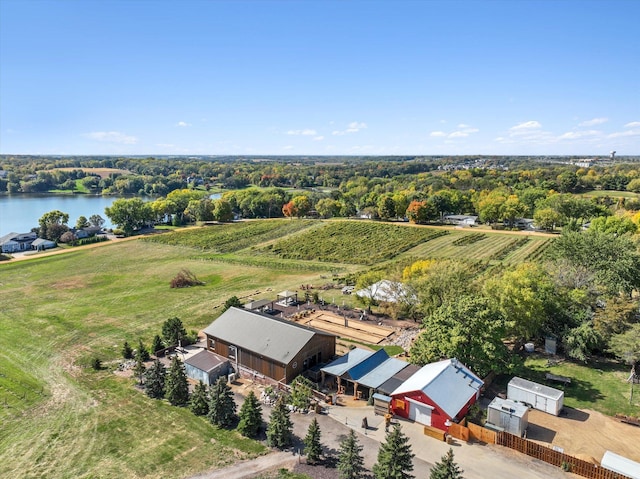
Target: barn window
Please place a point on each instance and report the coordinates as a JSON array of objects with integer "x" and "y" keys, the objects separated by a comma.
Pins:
[
  {"x": 233, "y": 352},
  {"x": 212, "y": 344}
]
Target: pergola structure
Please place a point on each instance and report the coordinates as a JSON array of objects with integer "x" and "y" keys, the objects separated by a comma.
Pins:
[{"x": 287, "y": 297}]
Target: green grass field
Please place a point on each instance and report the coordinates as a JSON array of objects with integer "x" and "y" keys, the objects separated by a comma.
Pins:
[
  {"x": 610, "y": 194},
  {"x": 61, "y": 419}
]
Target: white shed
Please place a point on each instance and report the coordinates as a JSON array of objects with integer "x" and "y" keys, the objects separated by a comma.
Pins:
[
  {"x": 621, "y": 465},
  {"x": 507, "y": 415},
  {"x": 539, "y": 396}
]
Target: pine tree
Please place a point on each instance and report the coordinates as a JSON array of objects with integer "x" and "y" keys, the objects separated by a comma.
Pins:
[
  {"x": 350, "y": 462},
  {"x": 154, "y": 380},
  {"x": 280, "y": 428},
  {"x": 157, "y": 344},
  {"x": 139, "y": 369},
  {"x": 199, "y": 402},
  {"x": 222, "y": 407},
  {"x": 250, "y": 416},
  {"x": 176, "y": 386},
  {"x": 446, "y": 468},
  {"x": 394, "y": 457},
  {"x": 312, "y": 446},
  {"x": 127, "y": 352},
  {"x": 143, "y": 351}
]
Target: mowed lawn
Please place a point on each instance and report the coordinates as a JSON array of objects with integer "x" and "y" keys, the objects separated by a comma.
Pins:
[{"x": 62, "y": 419}]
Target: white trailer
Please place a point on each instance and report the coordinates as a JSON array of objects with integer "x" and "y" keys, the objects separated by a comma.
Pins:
[
  {"x": 621, "y": 465},
  {"x": 538, "y": 396}
]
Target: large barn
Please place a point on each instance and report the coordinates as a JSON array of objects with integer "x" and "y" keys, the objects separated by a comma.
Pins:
[
  {"x": 270, "y": 346},
  {"x": 437, "y": 394}
]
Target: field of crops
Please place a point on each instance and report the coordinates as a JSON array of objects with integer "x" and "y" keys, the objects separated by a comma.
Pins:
[
  {"x": 353, "y": 242},
  {"x": 494, "y": 247},
  {"x": 232, "y": 237}
]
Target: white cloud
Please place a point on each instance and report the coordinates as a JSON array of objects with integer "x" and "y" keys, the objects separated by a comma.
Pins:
[
  {"x": 165, "y": 145},
  {"x": 621, "y": 134},
  {"x": 437, "y": 133},
  {"x": 458, "y": 134},
  {"x": 288, "y": 147},
  {"x": 527, "y": 125},
  {"x": 462, "y": 125},
  {"x": 183, "y": 124},
  {"x": 319, "y": 138},
  {"x": 576, "y": 135},
  {"x": 352, "y": 127},
  {"x": 594, "y": 122},
  {"x": 307, "y": 132},
  {"x": 112, "y": 137},
  {"x": 633, "y": 124}
]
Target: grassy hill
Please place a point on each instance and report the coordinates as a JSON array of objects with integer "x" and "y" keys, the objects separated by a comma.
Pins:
[{"x": 62, "y": 419}]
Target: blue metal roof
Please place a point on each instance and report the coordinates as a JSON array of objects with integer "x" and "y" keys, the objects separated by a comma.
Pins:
[
  {"x": 367, "y": 365},
  {"x": 382, "y": 373},
  {"x": 346, "y": 362}
]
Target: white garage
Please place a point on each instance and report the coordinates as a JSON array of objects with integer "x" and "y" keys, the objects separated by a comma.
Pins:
[{"x": 419, "y": 412}]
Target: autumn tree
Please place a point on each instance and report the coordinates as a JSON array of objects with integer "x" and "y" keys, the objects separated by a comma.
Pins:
[
  {"x": 250, "y": 417},
  {"x": 350, "y": 460},
  {"x": 395, "y": 458},
  {"x": 289, "y": 209},
  {"x": 302, "y": 205}
]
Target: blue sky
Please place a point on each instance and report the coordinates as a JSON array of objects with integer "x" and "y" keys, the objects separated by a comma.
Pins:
[{"x": 320, "y": 77}]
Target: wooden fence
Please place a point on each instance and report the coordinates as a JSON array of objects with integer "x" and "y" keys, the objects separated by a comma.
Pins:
[
  {"x": 473, "y": 432},
  {"x": 550, "y": 456}
]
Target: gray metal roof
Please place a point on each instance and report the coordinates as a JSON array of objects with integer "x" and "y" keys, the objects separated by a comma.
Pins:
[
  {"x": 380, "y": 374},
  {"x": 206, "y": 360},
  {"x": 267, "y": 336},
  {"x": 346, "y": 362},
  {"x": 540, "y": 389},
  {"x": 257, "y": 304},
  {"x": 398, "y": 378},
  {"x": 515, "y": 408}
]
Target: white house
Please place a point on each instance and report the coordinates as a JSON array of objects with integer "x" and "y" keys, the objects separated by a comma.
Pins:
[{"x": 16, "y": 242}]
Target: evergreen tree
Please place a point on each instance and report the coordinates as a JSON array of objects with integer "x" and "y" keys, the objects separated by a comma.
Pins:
[
  {"x": 250, "y": 416},
  {"x": 173, "y": 331},
  {"x": 154, "y": 380},
  {"x": 312, "y": 446},
  {"x": 176, "y": 386},
  {"x": 394, "y": 457},
  {"x": 350, "y": 462},
  {"x": 143, "y": 351},
  {"x": 280, "y": 428},
  {"x": 127, "y": 352},
  {"x": 446, "y": 468},
  {"x": 199, "y": 402},
  {"x": 157, "y": 344},
  {"x": 222, "y": 407},
  {"x": 139, "y": 369}
]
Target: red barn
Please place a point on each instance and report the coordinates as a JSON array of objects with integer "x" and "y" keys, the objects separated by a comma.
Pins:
[{"x": 437, "y": 394}]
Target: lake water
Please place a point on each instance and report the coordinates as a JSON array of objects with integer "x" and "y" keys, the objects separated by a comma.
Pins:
[{"x": 20, "y": 213}]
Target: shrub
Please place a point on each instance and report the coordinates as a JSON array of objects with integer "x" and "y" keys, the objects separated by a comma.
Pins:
[
  {"x": 185, "y": 279},
  {"x": 96, "y": 364}
]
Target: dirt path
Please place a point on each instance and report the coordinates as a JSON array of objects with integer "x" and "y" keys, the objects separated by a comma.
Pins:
[{"x": 253, "y": 467}]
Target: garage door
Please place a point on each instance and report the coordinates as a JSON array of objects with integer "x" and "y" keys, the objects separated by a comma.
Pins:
[{"x": 419, "y": 412}]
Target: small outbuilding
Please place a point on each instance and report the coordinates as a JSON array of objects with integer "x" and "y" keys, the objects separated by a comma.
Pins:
[
  {"x": 437, "y": 394},
  {"x": 507, "y": 415},
  {"x": 620, "y": 464},
  {"x": 539, "y": 396},
  {"x": 41, "y": 244},
  {"x": 206, "y": 366}
]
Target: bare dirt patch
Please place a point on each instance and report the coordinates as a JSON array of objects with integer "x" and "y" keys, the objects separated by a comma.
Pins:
[
  {"x": 585, "y": 433},
  {"x": 355, "y": 329}
]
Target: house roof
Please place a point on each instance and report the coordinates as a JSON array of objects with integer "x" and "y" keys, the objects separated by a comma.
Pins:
[
  {"x": 346, "y": 362},
  {"x": 380, "y": 374},
  {"x": 540, "y": 389},
  {"x": 40, "y": 241},
  {"x": 206, "y": 360},
  {"x": 287, "y": 294},
  {"x": 267, "y": 336},
  {"x": 515, "y": 408},
  {"x": 448, "y": 383},
  {"x": 398, "y": 378},
  {"x": 258, "y": 303},
  {"x": 17, "y": 237},
  {"x": 368, "y": 364}
]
